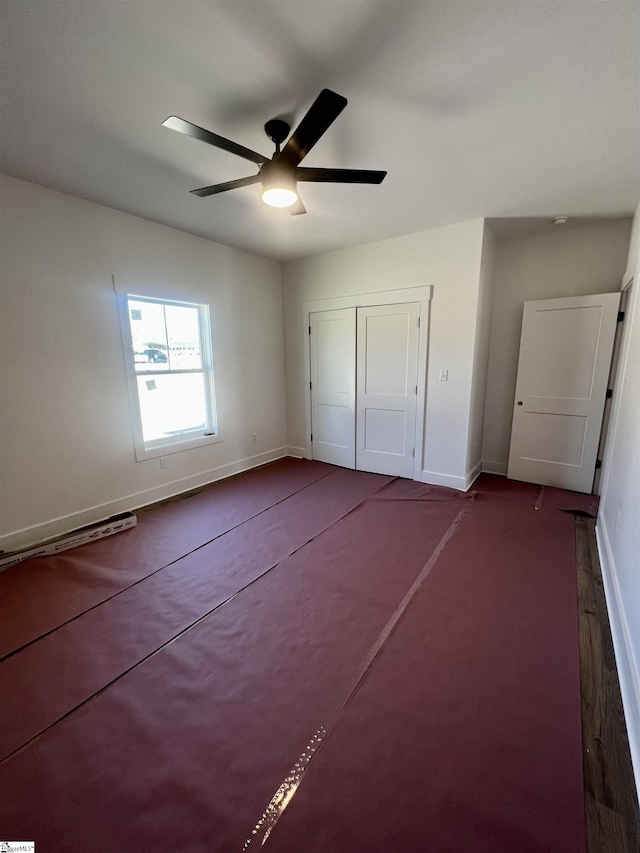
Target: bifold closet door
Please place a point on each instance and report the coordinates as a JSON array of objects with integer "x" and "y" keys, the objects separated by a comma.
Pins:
[
  {"x": 333, "y": 386},
  {"x": 387, "y": 371}
]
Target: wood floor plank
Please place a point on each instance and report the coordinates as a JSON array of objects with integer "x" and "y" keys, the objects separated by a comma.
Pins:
[{"x": 611, "y": 806}]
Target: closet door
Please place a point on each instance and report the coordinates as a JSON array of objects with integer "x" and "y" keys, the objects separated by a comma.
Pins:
[
  {"x": 332, "y": 342},
  {"x": 387, "y": 374}
]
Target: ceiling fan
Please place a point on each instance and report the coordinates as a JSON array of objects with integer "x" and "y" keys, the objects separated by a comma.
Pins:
[{"x": 279, "y": 175}]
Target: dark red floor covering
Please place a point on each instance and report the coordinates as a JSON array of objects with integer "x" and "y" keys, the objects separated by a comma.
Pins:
[
  {"x": 463, "y": 736},
  {"x": 529, "y": 495},
  {"x": 199, "y": 734},
  {"x": 48, "y": 678},
  {"x": 43, "y": 593}
]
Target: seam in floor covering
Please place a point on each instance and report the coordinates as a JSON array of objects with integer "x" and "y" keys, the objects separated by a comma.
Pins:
[
  {"x": 177, "y": 636},
  {"x": 289, "y": 786},
  {"x": 155, "y": 571},
  {"x": 465, "y": 496}
]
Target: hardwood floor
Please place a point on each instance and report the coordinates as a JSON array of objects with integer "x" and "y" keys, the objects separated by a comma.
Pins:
[{"x": 611, "y": 806}]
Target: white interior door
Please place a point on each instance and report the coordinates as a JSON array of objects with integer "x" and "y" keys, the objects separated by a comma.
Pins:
[
  {"x": 386, "y": 388},
  {"x": 565, "y": 355},
  {"x": 333, "y": 386}
]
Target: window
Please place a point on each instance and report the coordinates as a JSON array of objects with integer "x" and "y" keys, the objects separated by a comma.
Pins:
[{"x": 170, "y": 366}]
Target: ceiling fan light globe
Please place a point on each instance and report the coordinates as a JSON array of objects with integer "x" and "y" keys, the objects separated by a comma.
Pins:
[{"x": 279, "y": 196}]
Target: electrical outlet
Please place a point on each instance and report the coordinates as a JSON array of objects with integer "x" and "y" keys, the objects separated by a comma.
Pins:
[
  {"x": 164, "y": 462},
  {"x": 444, "y": 375},
  {"x": 254, "y": 438}
]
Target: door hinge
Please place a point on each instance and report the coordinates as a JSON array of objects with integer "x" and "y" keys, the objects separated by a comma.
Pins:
[
  {"x": 418, "y": 322},
  {"x": 416, "y": 389},
  {"x": 311, "y": 436},
  {"x": 413, "y": 453},
  {"x": 309, "y": 329},
  {"x": 310, "y": 386},
  {"x": 620, "y": 316},
  {"x": 609, "y": 393},
  {"x": 599, "y": 463}
]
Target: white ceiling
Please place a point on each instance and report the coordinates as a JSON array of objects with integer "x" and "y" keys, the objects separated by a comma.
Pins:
[{"x": 497, "y": 108}]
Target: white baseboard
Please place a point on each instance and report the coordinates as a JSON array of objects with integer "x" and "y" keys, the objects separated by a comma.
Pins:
[
  {"x": 297, "y": 452},
  {"x": 30, "y": 536},
  {"x": 434, "y": 478},
  {"x": 472, "y": 476},
  {"x": 463, "y": 484},
  {"x": 494, "y": 467},
  {"x": 628, "y": 672}
]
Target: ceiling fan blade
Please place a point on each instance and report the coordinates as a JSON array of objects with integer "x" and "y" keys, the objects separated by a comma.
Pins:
[
  {"x": 297, "y": 208},
  {"x": 229, "y": 185},
  {"x": 340, "y": 176},
  {"x": 322, "y": 113},
  {"x": 203, "y": 135}
]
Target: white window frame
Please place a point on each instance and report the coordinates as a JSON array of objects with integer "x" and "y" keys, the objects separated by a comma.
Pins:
[{"x": 197, "y": 438}]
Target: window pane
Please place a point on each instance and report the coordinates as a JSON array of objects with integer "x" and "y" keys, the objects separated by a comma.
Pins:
[
  {"x": 149, "y": 336},
  {"x": 183, "y": 330},
  {"x": 172, "y": 404}
]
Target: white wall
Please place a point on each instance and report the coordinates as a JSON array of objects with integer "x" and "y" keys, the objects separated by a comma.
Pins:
[
  {"x": 66, "y": 442},
  {"x": 573, "y": 262},
  {"x": 446, "y": 258},
  {"x": 481, "y": 352},
  {"x": 618, "y": 526}
]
